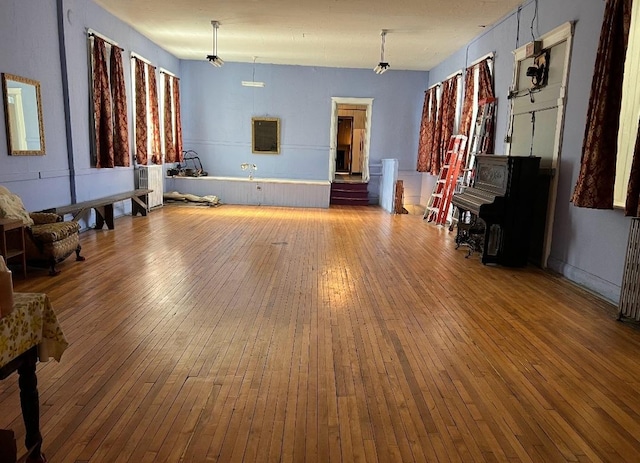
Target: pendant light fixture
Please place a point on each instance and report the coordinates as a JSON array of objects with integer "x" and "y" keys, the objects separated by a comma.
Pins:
[
  {"x": 382, "y": 65},
  {"x": 214, "y": 59}
]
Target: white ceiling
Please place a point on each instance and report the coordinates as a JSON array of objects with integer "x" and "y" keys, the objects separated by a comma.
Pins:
[{"x": 333, "y": 33}]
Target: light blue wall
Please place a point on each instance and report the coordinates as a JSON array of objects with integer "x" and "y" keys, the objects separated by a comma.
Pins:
[
  {"x": 29, "y": 47},
  {"x": 588, "y": 245},
  {"x": 217, "y": 111}
]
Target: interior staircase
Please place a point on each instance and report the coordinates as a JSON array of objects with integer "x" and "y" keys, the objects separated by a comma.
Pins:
[{"x": 349, "y": 194}]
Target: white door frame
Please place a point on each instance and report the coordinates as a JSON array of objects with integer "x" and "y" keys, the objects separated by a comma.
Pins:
[
  {"x": 555, "y": 37},
  {"x": 335, "y": 101}
]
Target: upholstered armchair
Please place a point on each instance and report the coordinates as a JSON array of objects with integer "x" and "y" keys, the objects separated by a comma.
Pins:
[{"x": 48, "y": 239}]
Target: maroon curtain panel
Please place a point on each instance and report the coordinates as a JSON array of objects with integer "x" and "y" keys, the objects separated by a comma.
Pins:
[
  {"x": 485, "y": 90},
  {"x": 448, "y": 110},
  {"x": 102, "y": 106},
  {"x": 169, "y": 145},
  {"x": 121, "y": 123},
  {"x": 156, "y": 154},
  {"x": 426, "y": 132},
  {"x": 142, "y": 152},
  {"x": 176, "y": 99},
  {"x": 436, "y": 162},
  {"x": 633, "y": 188},
  {"x": 595, "y": 184},
  {"x": 485, "y": 81}
]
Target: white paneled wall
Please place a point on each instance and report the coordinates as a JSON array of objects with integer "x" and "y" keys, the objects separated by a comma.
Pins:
[{"x": 265, "y": 192}]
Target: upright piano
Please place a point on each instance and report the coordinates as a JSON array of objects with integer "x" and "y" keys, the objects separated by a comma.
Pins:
[{"x": 495, "y": 214}]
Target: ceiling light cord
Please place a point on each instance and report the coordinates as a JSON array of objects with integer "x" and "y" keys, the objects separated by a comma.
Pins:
[{"x": 383, "y": 34}]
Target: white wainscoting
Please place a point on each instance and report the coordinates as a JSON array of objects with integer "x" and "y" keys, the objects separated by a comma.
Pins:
[{"x": 258, "y": 191}]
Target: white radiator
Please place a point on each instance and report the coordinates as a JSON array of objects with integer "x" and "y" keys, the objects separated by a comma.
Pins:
[
  {"x": 151, "y": 177},
  {"x": 630, "y": 293}
]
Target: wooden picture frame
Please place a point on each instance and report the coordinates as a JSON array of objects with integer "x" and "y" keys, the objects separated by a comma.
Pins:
[
  {"x": 23, "y": 115},
  {"x": 265, "y": 135}
]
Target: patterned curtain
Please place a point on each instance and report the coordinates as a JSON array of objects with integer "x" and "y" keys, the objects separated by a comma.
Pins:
[
  {"x": 467, "y": 103},
  {"x": 102, "y": 106},
  {"x": 631, "y": 207},
  {"x": 485, "y": 90},
  {"x": 121, "y": 127},
  {"x": 426, "y": 131},
  {"x": 436, "y": 162},
  {"x": 169, "y": 146},
  {"x": 156, "y": 154},
  {"x": 141, "y": 113},
  {"x": 595, "y": 184},
  {"x": 176, "y": 99},
  {"x": 485, "y": 80},
  {"x": 448, "y": 111}
]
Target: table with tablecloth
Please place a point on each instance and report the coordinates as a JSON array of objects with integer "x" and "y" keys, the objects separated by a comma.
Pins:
[{"x": 30, "y": 332}]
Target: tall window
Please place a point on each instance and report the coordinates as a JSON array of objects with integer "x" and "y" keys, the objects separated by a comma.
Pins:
[
  {"x": 110, "y": 134},
  {"x": 171, "y": 123},
  {"x": 630, "y": 110},
  {"x": 147, "y": 119},
  {"x": 440, "y": 120}
]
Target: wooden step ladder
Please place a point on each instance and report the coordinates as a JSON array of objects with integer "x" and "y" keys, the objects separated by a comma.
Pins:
[
  {"x": 440, "y": 201},
  {"x": 483, "y": 131}
]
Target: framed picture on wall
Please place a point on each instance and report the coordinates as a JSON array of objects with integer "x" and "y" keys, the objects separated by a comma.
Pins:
[{"x": 265, "y": 135}]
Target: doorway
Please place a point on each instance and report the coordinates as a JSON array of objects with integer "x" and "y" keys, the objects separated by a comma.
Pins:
[
  {"x": 350, "y": 135},
  {"x": 536, "y": 123}
]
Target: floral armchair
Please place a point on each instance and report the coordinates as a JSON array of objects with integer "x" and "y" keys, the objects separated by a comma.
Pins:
[{"x": 48, "y": 239}]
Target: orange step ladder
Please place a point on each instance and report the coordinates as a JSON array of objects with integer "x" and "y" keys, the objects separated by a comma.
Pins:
[{"x": 440, "y": 201}]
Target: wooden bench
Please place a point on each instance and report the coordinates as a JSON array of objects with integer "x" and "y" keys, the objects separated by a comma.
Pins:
[{"x": 104, "y": 207}]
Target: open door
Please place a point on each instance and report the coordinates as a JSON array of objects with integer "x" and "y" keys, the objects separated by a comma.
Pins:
[{"x": 361, "y": 135}]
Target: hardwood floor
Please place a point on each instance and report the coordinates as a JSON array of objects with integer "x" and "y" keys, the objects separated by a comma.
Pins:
[{"x": 269, "y": 334}]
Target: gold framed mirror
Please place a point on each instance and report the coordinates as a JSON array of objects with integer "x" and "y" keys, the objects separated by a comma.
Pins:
[
  {"x": 265, "y": 135},
  {"x": 23, "y": 115}
]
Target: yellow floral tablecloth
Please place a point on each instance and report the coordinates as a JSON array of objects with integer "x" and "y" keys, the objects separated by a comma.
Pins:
[{"x": 32, "y": 323}]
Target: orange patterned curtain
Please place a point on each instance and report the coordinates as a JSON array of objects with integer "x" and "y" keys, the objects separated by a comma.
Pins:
[
  {"x": 176, "y": 99},
  {"x": 156, "y": 154},
  {"x": 595, "y": 184},
  {"x": 103, "y": 117},
  {"x": 169, "y": 146},
  {"x": 427, "y": 125},
  {"x": 121, "y": 126},
  {"x": 467, "y": 103},
  {"x": 141, "y": 113}
]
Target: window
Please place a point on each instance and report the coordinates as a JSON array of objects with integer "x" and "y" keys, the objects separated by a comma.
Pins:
[
  {"x": 110, "y": 133},
  {"x": 170, "y": 120},
  {"x": 146, "y": 120},
  {"x": 629, "y": 112}
]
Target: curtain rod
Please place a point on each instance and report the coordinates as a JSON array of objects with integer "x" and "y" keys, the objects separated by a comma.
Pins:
[
  {"x": 142, "y": 58},
  {"x": 489, "y": 56},
  {"x": 434, "y": 86},
  {"x": 169, "y": 73},
  {"x": 92, "y": 33},
  {"x": 455, "y": 74}
]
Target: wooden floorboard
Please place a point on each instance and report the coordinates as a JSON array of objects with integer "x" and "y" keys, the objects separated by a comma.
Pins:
[{"x": 260, "y": 334}]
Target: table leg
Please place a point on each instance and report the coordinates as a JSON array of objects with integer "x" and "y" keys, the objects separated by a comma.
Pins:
[{"x": 29, "y": 401}]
